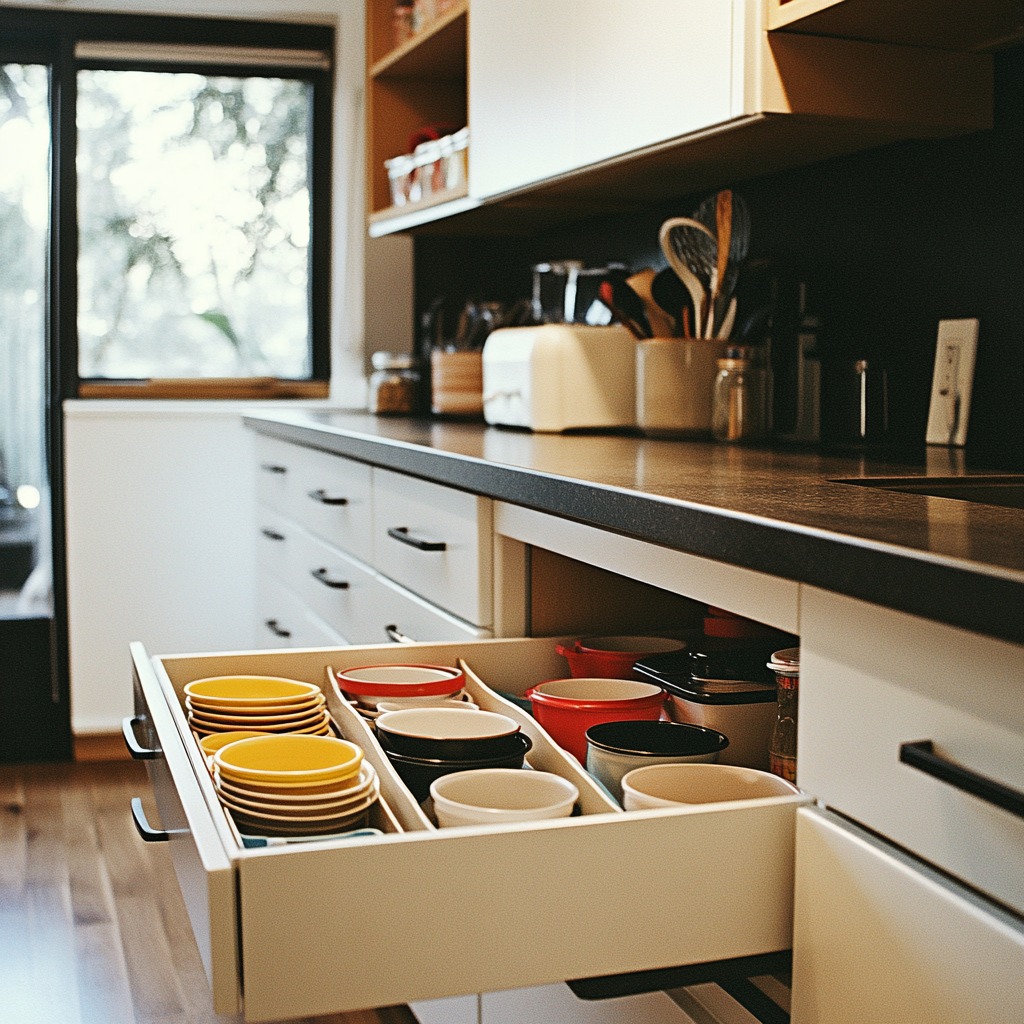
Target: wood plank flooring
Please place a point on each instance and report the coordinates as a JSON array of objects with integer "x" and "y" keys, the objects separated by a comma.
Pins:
[{"x": 92, "y": 926}]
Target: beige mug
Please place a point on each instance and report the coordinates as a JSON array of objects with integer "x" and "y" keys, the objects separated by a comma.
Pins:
[{"x": 675, "y": 379}]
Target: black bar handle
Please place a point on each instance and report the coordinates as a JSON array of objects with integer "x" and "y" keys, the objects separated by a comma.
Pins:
[
  {"x": 324, "y": 498},
  {"x": 324, "y": 577},
  {"x": 135, "y": 748},
  {"x": 276, "y": 629},
  {"x": 402, "y": 533},
  {"x": 270, "y": 467},
  {"x": 272, "y": 534},
  {"x": 921, "y": 755},
  {"x": 148, "y": 833},
  {"x": 396, "y": 636}
]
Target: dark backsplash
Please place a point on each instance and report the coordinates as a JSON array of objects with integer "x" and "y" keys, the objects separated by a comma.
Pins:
[{"x": 891, "y": 241}]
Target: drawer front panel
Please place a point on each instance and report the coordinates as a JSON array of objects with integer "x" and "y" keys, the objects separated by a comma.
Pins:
[
  {"x": 331, "y": 497},
  {"x": 335, "y": 587},
  {"x": 519, "y": 907},
  {"x": 275, "y": 463},
  {"x": 275, "y": 540},
  {"x": 881, "y": 680},
  {"x": 286, "y": 622},
  {"x": 897, "y": 943},
  {"x": 436, "y": 541},
  {"x": 202, "y": 866}
]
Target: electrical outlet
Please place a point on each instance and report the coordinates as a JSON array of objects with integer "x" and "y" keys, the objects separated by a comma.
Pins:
[{"x": 951, "y": 382}]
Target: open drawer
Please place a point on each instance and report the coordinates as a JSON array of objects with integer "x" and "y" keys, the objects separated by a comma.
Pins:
[{"x": 333, "y": 925}]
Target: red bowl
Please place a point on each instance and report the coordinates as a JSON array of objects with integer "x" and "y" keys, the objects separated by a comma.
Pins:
[
  {"x": 403, "y": 680},
  {"x": 613, "y": 657},
  {"x": 567, "y": 708}
]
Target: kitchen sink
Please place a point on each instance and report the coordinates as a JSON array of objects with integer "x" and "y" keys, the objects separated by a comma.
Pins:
[{"x": 1006, "y": 491}]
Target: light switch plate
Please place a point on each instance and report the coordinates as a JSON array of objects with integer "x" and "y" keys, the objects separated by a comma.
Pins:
[{"x": 951, "y": 382}]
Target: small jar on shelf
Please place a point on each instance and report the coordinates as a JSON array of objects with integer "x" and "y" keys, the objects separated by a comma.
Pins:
[
  {"x": 402, "y": 22},
  {"x": 740, "y": 398},
  {"x": 782, "y": 746},
  {"x": 394, "y": 384}
]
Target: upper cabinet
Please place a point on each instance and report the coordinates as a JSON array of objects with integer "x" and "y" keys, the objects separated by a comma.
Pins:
[{"x": 590, "y": 106}]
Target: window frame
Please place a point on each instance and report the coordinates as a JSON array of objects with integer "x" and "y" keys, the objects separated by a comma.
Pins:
[{"x": 51, "y": 37}]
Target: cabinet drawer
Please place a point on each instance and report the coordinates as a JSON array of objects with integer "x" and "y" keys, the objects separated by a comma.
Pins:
[
  {"x": 898, "y": 942},
  {"x": 275, "y": 540},
  {"x": 436, "y": 541},
  {"x": 284, "y": 621},
  {"x": 515, "y": 907},
  {"x": 275, "y": 461},
  {"x": 330, "y": 496},
  {"x": 883, "y": 680}
]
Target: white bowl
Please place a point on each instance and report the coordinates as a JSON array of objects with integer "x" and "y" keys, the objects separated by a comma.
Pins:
[
  {"x": 442, "y": 723},
  {"x": 498, "y": 795},
  {"x": 669, "y": 785},
  {"x": 400, "y": 704}
]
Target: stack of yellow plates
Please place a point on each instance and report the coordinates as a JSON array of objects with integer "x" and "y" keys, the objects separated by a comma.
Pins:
[
  {"x": 295, "y": 785},
  {"x": 256, "y": 704}
]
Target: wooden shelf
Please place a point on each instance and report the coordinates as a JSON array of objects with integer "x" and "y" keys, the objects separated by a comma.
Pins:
[
  {"x": 438, "y": 51},
  {"x": 943, "y": 24}
]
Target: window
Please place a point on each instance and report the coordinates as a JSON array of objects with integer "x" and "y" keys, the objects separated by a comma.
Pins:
[{"x": 192, "y": 204}]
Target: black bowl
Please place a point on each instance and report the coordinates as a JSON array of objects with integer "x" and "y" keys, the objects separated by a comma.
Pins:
[
  {"x": 450, "y": 748},
  {"x": 419, "y": 772},
  {"x": 658, "y": 738}
]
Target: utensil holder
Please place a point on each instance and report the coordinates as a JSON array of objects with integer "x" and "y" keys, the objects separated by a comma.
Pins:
[
  {"x": 457, "y": 384},
  {"x": 674, "y": 382}
]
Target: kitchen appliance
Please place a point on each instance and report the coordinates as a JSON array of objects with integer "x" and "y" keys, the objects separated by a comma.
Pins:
[{"x": 556, "y": 377}]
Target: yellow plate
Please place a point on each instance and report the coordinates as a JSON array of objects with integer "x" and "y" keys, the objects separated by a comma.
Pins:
[
  {"x": 200, "y": 706},
  {"x": 289, "y": 757},
  {"x": 211, "y": 744},
  {"x": 230, "y": 691},
  {"x": 297, "y": 796}
]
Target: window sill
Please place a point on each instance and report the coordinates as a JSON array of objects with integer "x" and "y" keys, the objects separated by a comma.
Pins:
[{"x": 205, "y": 388}]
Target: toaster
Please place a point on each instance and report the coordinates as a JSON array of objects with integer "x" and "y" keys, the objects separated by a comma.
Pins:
[{"x": 556, "y": 377}]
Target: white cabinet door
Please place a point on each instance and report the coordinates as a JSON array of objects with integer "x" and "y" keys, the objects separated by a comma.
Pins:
[
  {"x": 878, "y": 939},
  {"x": 556, "y": 87}
]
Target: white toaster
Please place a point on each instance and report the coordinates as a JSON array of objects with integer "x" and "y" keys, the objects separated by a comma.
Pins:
[{"x": 556, "y": 377}]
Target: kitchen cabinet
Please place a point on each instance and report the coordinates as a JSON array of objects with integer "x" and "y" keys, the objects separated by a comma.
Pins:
[
  {"x": 881, "y": 938},
  {"x": 353, "y": 554},
  {"x": 935, "y": 23},
  {"x": 581, "y": 108}
]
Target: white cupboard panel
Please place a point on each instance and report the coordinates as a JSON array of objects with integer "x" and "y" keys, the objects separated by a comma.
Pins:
[
  {"x": 879, "y": 940},
  {"x": 435, "y": 540},
  {"x": 556, "y": 1004},
  {"x": 872, "y": 680}
]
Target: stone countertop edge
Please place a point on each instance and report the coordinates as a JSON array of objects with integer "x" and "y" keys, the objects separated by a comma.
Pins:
[{"x": 979, "y": 597}]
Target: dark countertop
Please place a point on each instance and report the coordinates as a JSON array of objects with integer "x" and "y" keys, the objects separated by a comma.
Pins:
[{"x": 779, "y": 512}]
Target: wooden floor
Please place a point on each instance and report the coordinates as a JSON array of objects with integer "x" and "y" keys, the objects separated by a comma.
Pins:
[{"x": 92, "y": 925}]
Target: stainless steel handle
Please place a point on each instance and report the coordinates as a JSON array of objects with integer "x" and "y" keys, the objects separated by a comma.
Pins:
[
  {"x": 921, "y": 755},
  {"x": 322, "y": 575},
  {"x": 146, "y": 831},
  {"x": 135, "y": 748},
  {"x": 274, "y": 628},
  {"x": 401, "y": 533},
  {"x": 272, "y": 534},
  {"x": 396, "y": 636},
  {"x": 324, "y": 498}
]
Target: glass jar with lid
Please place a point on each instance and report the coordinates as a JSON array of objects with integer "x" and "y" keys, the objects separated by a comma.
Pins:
[
  {"x": 782, "y": 746},
  {"x": 394, "y": 384},
  {"x": 740, "y": 397}
]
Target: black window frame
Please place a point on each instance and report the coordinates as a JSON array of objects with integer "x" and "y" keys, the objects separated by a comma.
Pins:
[{"x": 50, "y": 37}]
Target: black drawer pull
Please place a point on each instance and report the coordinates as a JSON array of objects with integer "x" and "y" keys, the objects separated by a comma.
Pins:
[
  {"x": 402, "y": 533},
  {"x": 323, "y": 576},
  {"x": 396, "y": 636},
  {"x": 148, "y": 833},
  {"x": 135, "y": 748},
  {"x": 270, "y": 467},
  {"x": 921, "y": 755},
  {"x": 324, "y": 498},
  {"x": 272, "y": 534},
  {"x": 274, "y": 628}
]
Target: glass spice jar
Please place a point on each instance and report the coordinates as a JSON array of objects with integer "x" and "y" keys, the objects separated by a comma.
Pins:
[
  {"x": 740, "y": 396},
  {"x": 393, "y": 384},
  {"x": 782, "y": 746}
]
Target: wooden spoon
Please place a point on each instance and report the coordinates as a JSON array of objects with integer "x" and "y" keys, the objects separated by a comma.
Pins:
[
  {"x": 642, "y": 282},
  {"x": 723, "y": 224}
]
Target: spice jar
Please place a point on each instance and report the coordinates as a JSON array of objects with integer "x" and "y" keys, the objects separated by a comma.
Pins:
[
  {"x": 782, "y": 746},
  {"x": 393, "y": 384},
  {"x": 739, "y": 403}
]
